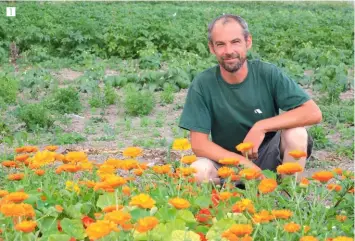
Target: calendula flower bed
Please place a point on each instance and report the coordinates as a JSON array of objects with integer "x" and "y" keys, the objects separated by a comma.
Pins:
[{"x": 50, "y": 196}]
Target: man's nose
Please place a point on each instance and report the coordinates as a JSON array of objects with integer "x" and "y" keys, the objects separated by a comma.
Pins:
[{"x": 228, "y": 49}]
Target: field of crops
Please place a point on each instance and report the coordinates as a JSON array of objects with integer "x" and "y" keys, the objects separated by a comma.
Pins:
[{"x": 80, "y": 82}]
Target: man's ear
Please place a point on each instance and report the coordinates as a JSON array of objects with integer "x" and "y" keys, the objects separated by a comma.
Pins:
[
  {"x": 249, "y": 41},
  {"x": 210, "y": 46}
]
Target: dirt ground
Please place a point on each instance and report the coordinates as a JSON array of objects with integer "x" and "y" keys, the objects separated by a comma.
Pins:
[{"x": 101, "y": 149}]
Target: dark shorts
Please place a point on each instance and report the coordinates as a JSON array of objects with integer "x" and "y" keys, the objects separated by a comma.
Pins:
[{"x": 269, "y": 156}]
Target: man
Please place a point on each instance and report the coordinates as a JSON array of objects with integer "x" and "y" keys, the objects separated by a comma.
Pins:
[{"x": 238, "y": 101}]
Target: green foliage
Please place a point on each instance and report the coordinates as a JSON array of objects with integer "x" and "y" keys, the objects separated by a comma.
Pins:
[
  {"x": 35, "y": 116},
  {"x": 110, "y": 95},
  {"x": 335, "y": 113},
  {"x": 65, "y": 100},
  {"x": 8, "y": 88},
  {"x": 68, "y": 138},
  {"x": 167, "y": 96},
  {"x": 138, "y": 102},
  {"x": 319, "y": 136}
]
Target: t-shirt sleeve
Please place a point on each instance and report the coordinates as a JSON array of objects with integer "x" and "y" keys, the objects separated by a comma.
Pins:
[
  {"x": 287, "y": 93},
  {"x": 196, "y": 114}
]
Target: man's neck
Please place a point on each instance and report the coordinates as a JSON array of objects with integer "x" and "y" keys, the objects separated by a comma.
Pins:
[{"x": 237, "y": 77}]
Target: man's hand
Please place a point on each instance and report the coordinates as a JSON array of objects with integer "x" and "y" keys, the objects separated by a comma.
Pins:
[{"x": 256, "y": 136}]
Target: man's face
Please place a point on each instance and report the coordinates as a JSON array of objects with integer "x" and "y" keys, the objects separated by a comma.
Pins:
[{"x": 229, "y": 45}]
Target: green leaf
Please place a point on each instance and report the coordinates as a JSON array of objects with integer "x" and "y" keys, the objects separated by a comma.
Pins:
[
  {"x": 219, "y": 227},
  {"x": 48, "y": 224},
  {"x": 166, "y": 213},
  {"x": 269, "y": 174},
  {"x": 203, "y": 201},
  {"x": 73, "y": 227},
  {"x": 106, "y": 199},
  {"x": 186, "y": 216},
  {"x": 139, "y": 213},
  {"x": 73, "y": 211},
  {"x": 59, "y": 237}
]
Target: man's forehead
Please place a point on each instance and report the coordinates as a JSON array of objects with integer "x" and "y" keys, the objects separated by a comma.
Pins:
[{"x": 230, "y": 27}]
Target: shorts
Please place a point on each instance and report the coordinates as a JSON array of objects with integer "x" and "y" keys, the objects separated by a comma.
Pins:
[{"x": 269, "y": 155}]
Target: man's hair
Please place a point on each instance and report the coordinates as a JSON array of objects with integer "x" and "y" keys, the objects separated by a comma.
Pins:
[{"x": 227, "y": 18}]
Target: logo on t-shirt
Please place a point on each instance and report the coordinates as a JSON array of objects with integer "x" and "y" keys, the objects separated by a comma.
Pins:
[{"x": 258, "y": 111}]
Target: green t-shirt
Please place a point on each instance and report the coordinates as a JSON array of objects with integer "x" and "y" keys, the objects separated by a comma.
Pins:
[{"x": 228, "y": 111}]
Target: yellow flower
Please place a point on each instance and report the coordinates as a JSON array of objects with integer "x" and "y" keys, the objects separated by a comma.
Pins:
[
  {"x": 181, "y": 144},
  {"x": 225, "y": 172},
  {"x": 241, "y": 229},
  {"x": 76, "y": 156},
  {"x": 179, "y": 203},
  {"x": 289, "y": 168},
  {"x": 243, "y": 205},
  {"x": 43, "y": 158},
  {"x": 164, "y": 169},
  {"x": 132, "y": 152},
  {"x": 250, "y": 173},
  {"x": 262, "y": 217},
  {"x": 308, "y": 238},
  {"x": 188, "y": 159},
  {"x": 225, "y": 195},
  {"x": 71, "y": 186},
  {"x": 342, "y": 238},
  {"x": 245, "y": 146},
  {"x": 142, "y": 200}
]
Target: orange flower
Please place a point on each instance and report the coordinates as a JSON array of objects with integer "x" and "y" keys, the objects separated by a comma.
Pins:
[
  {"x": 9, "y": 164},
  {"x": 338, "y": 171},
  {"x": 335, "y": 187},
  {"x": 225, "y": 172},
  {"x": 26, "y": 226},
  {"x": 308, "y": 238},
  {"x": 67, "y": 168},
  {"x": 164, "y": 169},
  {"x": 16, "y": 176},
  {"x": 289, "y": 168},
  {"x": 103, "y": 186},
  {"x": 112, "y": 208},
  {"x": 22, "y": 158},
  {"x": 351, "y": 190},
  {"x": 100, "y": 228},
  {"x": 179, "y": 203},
  {"x": 243, "y": 205},
  {"x": 40, "y": 172},
  {"x": 267, "y": 185},
  {"x": 304, "y": 183},
  {"x": 87, "y": 221},
  {"x": 17, "y": 210},
  {"x": 59, "y": 208},
  {"x": 245, "y": 146},
  {"x": 17, "y": 197},
  {"x": 341, "y": 218},
  {"x": 142, "y": 200},
  {"x": 323, "y": 176},
  {"x": 126, "y": 190},
  {"x": 3, "y": 193},
  {"x": 188, "y": 159},
  {"x": 138, "y": 172},
  {"x": 241, "y": 229},
  {"x": 147, "y": 223},
  {"x": 262, "y": 217},
  {"x": 225, "y": 196},
  {"x": 132, "y": 152},
  {"x": 250, "y": 173},
  {"x": 118, "y": 217},
  {"x": 182, "y": 144},
  {"x": 282, "y": 214},
  {"x": 115, "y": 181},
  {"x": 51, "y": 148},
  {"x": 233, "y": 161},
  {"x": 297, "y": 154},
  {"x": 292, "y": 227}
]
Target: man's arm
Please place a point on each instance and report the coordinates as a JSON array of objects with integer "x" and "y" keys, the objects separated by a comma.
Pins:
[
  {"x": 304, "y": 115},
  {"x": 203, "y": 147}
]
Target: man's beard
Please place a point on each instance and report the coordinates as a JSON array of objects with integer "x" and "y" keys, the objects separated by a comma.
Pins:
[{"x": 232, "y": 67}]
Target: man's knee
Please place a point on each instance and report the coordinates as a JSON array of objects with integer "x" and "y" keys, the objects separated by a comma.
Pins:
[
  {"x": 294, "y": 138},
  {"x": 205, "y": 169}
]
